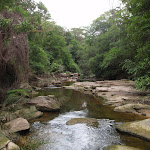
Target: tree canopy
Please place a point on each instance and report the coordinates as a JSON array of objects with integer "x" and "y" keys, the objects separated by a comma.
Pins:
[{"x": 115, "y": 46}]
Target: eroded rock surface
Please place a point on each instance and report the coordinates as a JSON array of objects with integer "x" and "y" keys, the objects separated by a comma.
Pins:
[
  {"x": 138, "y": 128},
  {"x": 117, "y": 93}
]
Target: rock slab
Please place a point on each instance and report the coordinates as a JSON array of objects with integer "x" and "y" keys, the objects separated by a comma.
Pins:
[
  {"x": 137, "y": 128},
  {"x": 88, "y": 121}
]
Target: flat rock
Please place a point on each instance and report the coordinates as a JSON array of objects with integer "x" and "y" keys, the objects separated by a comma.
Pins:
[
  {"x": 120, "y": 147},
  {"x": 88, "y": 121},
  {"x": 138, "y": 128},
  {"x": 45, "y": 103},
  {"x": 134, "y": 108},
  {"x": 17, "y": 125}
]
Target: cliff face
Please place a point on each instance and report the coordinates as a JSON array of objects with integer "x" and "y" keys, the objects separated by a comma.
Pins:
[{"x": 14, "y": 53}]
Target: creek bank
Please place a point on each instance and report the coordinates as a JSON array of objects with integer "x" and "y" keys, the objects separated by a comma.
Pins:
[
  {"x": 20, "y": 113},
  {"x": 53, "y": 79},
  {"x": 117, "y": 93},
  {"x": 13, "y": 120}
]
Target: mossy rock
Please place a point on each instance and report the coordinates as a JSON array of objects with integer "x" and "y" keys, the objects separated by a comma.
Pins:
[
  {"x": 28, "y": 112},
  {"x": 4, "y": 141}
]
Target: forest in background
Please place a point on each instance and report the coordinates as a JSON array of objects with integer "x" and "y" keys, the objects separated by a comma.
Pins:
[{"x": 115, "y": 46}]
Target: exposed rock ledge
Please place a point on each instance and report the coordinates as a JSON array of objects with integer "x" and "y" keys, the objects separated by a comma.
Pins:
[
  {"x": 121, "y": 94},
  {"x": 137, "y": 128}
]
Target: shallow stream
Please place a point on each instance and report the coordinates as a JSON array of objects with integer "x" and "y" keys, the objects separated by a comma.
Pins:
[{"x": 57, "y": 135}]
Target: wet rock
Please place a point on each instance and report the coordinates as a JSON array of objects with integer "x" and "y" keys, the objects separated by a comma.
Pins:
[
  {"x": 88, "y": 121},
  {"x": 45, "y": 103},
  {"x": 6, "y": 144},
  {"x": 138, "y": 128},
  {"x": 17, "y": 125},
  {"x": 120, "y": 147}
]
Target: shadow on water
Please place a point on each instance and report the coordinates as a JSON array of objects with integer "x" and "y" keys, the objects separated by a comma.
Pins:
[{"x": 53, "y": 129}]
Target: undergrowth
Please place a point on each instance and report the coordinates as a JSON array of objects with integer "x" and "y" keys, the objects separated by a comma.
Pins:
[
  {"x": 15, "y": 96},
  {"x": 31, "y": 144}
]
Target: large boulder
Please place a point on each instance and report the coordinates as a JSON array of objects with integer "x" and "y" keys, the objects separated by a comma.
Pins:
[
  {"x": 45, "y": 103},
  {"x": 6, "y": 144},
  {"x": 137, "y": 128},
  {"x": 17, "y": 125},
  {"x": 88, "y": 121},
  {"x": 120, "y": 147}
]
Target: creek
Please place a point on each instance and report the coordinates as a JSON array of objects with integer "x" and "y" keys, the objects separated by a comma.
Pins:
[{"x": 52, "y": 128}]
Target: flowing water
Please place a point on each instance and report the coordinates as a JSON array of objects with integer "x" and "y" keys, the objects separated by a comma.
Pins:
[{"x": 57, "y": 135}]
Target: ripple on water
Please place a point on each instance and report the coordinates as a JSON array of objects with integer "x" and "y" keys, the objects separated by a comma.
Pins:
[{"x": 59, "y": 136}]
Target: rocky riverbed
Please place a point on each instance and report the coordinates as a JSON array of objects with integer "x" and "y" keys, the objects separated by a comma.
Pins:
[
  {"x": 124, "y": 97},
  {"x": 121, "y": 94}
]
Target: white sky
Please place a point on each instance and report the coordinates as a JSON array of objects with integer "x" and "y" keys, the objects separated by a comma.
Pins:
[{"x": 77, "y": 13}]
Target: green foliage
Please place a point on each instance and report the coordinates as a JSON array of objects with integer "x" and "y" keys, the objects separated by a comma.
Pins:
[
  {"x": 56, "y": 67},
  {"x": 39, "y": 60},
  {"x": 95, "y": 66},
  {"x": 75, "y": 48},
  {"x": 20, "y": 92},
  {"x": 4, "y": 23},
  {"x": 143, "y": 82},
  {"x": 68, "y": 62},
  {"x": 138, "y": 32},
  {"x": 115, "y": 46},
  {"x": 24, "y": 26},
  {"x": 6, "y": 4}
]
